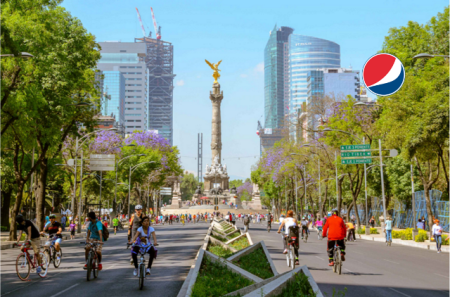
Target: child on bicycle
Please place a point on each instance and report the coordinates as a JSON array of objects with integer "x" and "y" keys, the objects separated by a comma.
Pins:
[
  {"x": 142, "y": 240},
  {"x": 33, "y": 237}
]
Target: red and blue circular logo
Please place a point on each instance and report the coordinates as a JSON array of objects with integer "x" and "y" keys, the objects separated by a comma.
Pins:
[{"x": 383, "y": 74}]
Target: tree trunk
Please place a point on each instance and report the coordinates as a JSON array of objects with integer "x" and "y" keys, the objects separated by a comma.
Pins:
[
  {"x": 13, "y": 228},
  {"x": 6, "y": 203},
  {"x": 40, "y": 194},
  {"x": 339, "y": 202},
  {"x": 427, "y": 182}
]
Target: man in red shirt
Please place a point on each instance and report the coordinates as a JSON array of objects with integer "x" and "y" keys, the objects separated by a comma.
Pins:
[{"x": 336, "y": 233}]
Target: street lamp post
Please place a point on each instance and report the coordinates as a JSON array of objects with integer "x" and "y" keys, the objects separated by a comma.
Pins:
[
  {"x": 427, "y": 56},
  {"x": 132, "y": 168}
]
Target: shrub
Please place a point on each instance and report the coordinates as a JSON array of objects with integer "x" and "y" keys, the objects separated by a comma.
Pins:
[
  {"x": 219, "y": 238},
  {"x": 396, "y": 234},
  {"x": 234, "y": 235},
  {"x": 422, "y": 236},
  {"x": 4, "y": 228},
  {"x": 215, "y": 279},
  {"x": 374, "y": 231},
  {"x": 444, "y": 239},
  {"x": 361, "y": 230}
]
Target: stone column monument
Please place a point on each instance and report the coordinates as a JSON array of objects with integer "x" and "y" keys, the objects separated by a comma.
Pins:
[{"x": 216, "y": 97}]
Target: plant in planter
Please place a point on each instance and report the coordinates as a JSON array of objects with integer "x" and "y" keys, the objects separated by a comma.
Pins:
[
  {"x": 256, "y": 263},
  {"x": 299, "y": 286},
  {"x": 240, "y": 244},
  {"x": 214, "y": 279}
]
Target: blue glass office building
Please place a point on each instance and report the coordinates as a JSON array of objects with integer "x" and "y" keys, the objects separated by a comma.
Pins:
[
  {"x": 305, "y": 54},
  {"x": 114, "y": 86}
]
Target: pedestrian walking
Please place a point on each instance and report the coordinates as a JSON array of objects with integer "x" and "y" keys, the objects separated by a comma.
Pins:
[
  {"x": 72, "y": 229},
  {"x": 63, "y": 222},
  {"x": 246, "y": 223},
  {"x": 372, "y": 222},
  {"x": 424, "y": 223},
  {"x": 388, "y": 229},
  {"x": 437, "y": 234},
  {"x": 420, "y": 224}
]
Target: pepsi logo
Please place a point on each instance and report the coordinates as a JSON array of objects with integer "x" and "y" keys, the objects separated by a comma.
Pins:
[{"x": 383, "y": 74}]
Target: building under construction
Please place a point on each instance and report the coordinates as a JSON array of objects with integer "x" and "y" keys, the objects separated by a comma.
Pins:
[{"x": 159, "y": 60}]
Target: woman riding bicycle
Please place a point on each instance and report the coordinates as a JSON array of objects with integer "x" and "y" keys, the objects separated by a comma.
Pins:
[
  {"x": 142, "y": 240},
  {"x": 289, "y": 221}
]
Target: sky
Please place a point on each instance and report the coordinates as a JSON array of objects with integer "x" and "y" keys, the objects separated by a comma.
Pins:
[{"x": 236, "y": 32}]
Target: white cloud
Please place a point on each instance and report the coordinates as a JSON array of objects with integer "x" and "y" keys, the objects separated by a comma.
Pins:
[
  {"x": 244, "y": 75},
  {"x": 180, "y": 83},
  {"x": 260, "y": 67}
]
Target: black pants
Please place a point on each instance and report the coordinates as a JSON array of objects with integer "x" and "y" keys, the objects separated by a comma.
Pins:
[
  {"x": 330, "y": 247},
  {"x": 295, "y": 246},
  {"x": 352, "y": 232},
  {"x": 135, "y": 252}
]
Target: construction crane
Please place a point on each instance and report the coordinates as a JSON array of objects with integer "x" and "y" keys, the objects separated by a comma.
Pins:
[
  {"x": 157, "y": 31},
  {"x": 140, "y": 21}
]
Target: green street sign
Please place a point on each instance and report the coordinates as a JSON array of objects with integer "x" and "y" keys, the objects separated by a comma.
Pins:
[
  {"x": 353, "y": 147},
  {"x": 356, "y": 154},
  {"x": 356, "y": 161}
]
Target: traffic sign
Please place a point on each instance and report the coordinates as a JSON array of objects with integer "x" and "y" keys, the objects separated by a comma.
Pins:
[
  {"x": 356, "y": 154},
  {"x": 354, "y": 147},
  {"x": 356, "y": 161},
  {"x": 102, "y": 162}
]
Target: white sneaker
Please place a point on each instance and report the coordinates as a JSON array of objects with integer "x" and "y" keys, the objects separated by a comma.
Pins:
[
  {"x": 135, "y": 272},
  {"x": 285, "y": 251},
  {"x": 439, "y": 252},
  {"x": 148, "y": 271}
]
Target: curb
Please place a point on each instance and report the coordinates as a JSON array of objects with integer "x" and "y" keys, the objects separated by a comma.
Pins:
[{"x": 420, "y": 245}]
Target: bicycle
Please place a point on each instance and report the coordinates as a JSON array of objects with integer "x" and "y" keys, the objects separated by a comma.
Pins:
[
  {"x": 337, "y": 267},
  {"x": 50, "y": 250},
  {"x": 292, "y": 244},
  {"x": 141, "y": 266},
  {"x": 25, "y": 262},
  {"x": 92, "y": 261},
  {"x": 305, "y": 235}
]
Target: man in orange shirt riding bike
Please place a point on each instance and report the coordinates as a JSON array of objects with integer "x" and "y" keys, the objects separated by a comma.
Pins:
[{"x": 336, "y": 233}]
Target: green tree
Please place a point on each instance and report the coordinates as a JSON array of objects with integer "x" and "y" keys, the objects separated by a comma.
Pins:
[
  {"x": 188, "y": 186},
  {"x": 236, "y": 183},
  {"x": 415, "y": 119}
]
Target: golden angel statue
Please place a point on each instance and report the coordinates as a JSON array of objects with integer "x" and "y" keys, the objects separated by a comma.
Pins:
[{"x": 215, "y": 67}]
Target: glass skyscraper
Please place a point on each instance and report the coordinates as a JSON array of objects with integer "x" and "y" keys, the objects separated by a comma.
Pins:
[
  {"x": 305, "y": 54},
  {"x": 114, "y": 86}
]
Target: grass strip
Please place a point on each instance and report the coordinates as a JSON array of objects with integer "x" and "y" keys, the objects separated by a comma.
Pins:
[
  {"x": 219, "y": 238},
  {"x": 299, "y": 286},
  {"x": 215, "y": 279},
  {"x": 240, "y": 244},
  {"x": 256, "y": 263},
  {"x": 219, "y": 250}
]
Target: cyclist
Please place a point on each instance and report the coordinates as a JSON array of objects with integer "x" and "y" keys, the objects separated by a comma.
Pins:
[
  {"x": 351, "y": 230},
  {"x": 116, "y": 224},
  {"x": 336, "y": 233},
  {"x": 304, "y": 224},
  {"x": 269, "y": 220},
  {"x": 94, "y": 234},
  {"x": 33, "y": 237},
  {"x": 319, "y": 225},
  {"x": 135, "y": 223},
  {"x": 283, "y": 229},
  {"x": 288, "y": 222},
  {"x": 142, "y": 236},
  {"x": 54, "y": 228}
]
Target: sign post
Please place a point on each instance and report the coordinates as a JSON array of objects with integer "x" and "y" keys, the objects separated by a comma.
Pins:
[{"x": 102, "y": 162}]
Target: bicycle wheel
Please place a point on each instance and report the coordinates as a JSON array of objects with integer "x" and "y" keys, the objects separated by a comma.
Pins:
[
  {"x": 22, "y": 267},
  {"x": 95, "y": 267},
  {"x": 292, "y": 256},
  {"x": 45, "y": 264},
  {"x": 57, "y": 262},
  {"x": 339, "y": 264},
  {"x": 89, "y": 267},
  {"x": 288, "y": 260},
  {"x": 47, "y": 256},
  {"x": 141, "y": 276}
]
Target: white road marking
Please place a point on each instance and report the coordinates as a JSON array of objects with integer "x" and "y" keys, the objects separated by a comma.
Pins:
[
  {"x": 441, "y": 275},
  {"x": 64, "y": 290},
  {"x": 400, "y": 292},
  {"x": 391, "y": 261},
  {"x": 320, "y": 258}
]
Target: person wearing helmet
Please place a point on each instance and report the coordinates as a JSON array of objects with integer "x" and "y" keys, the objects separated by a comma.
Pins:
[
  {"x": 33, "y": 237},
  {"x": 336, "y": 233},
  {"x": 54, "y": 228},
  {"x": 304, "y": 224},
  {"x": 437, "y": 234},
  {"x": 135, "y": 223}
]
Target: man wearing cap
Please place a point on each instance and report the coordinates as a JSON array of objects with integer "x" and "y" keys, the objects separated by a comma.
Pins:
[
  {"x": 94, "y": 234},
  {"x": 54, "y": 228}
]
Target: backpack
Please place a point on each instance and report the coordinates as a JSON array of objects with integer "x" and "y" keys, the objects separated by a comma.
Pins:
[
  {"x": 246, "y": 221},
  {"x": 105, "y": 232}
]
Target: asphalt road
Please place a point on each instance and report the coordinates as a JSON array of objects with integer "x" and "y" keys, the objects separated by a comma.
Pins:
[
  {"x": 371, "y": 268},
  {"x": 177, "y": 248}
]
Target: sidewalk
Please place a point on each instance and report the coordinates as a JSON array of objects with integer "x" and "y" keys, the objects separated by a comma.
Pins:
[
  {"x": 422, "y": 245},
  {"x": 5, "y": 244}
]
